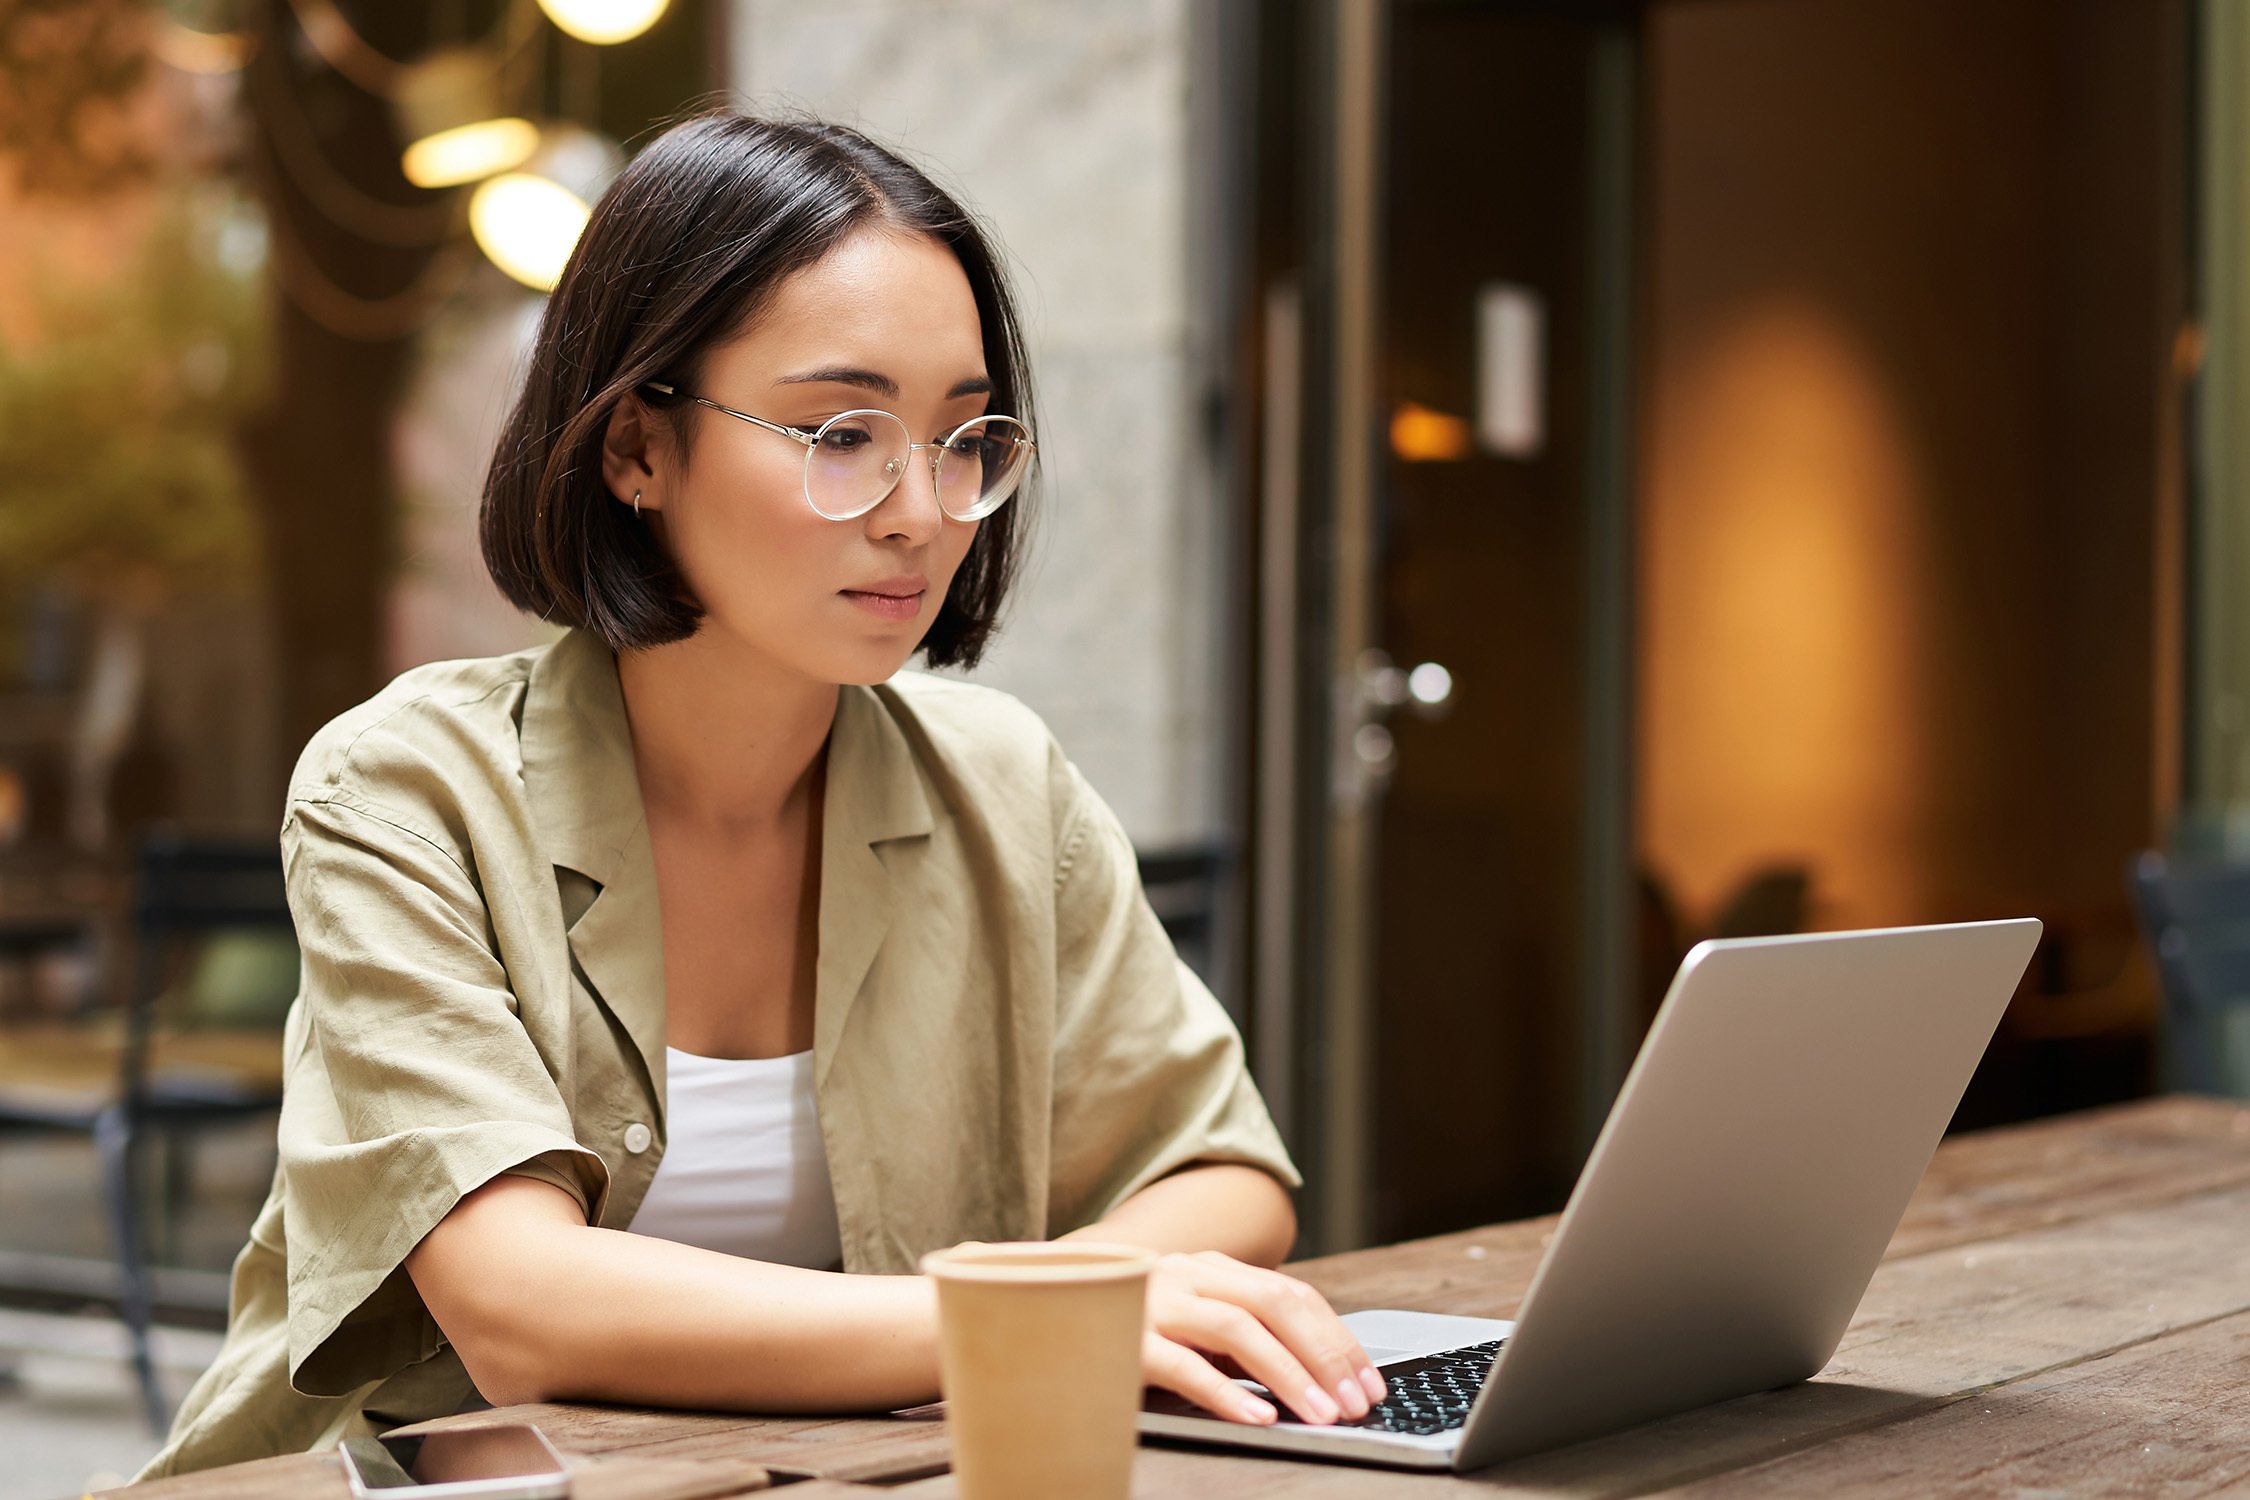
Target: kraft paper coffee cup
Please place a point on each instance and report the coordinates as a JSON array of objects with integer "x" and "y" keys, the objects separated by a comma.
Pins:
[{"x": 1040, "y": 1357}]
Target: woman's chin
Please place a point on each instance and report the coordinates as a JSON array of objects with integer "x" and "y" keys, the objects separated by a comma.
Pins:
[
  {"x": 819, "y": 651},
  {"x": 874, "y": 663}
]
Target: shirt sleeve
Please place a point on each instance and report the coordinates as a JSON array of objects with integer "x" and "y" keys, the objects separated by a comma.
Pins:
[
  {"x": 1149, "y": 1070},
  {"x": 411, "y": 1081}
]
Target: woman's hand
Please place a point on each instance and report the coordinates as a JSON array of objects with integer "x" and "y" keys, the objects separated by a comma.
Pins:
[{"x": 1276, "y": 1329}]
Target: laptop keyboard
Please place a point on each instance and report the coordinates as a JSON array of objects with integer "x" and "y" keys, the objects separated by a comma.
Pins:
[{"x": 1432, "y": 1394}]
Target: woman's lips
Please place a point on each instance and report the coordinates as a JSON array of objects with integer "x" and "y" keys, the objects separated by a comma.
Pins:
[{"x": 887, "y": 602}]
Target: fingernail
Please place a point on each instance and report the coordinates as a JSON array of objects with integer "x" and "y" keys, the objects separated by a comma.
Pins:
[
  {"x": 1254, "y": 1410},
  {"x": 1317, "y": 1407},
  {"x": 1372, "y": 1383},
  {"x": 1353, "y": 1398}
]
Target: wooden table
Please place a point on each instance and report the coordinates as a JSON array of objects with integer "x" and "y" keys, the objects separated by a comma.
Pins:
[{"x": 2066, "y": 1308}]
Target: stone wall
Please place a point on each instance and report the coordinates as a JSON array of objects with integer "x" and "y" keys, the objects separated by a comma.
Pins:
[{"x": 1066, "y": 126}]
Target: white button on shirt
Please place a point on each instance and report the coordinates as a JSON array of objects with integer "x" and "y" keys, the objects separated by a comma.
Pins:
[{"x": 744, "y": 1170}]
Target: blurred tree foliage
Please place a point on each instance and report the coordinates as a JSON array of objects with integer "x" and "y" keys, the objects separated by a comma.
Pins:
[
  {"x": 68, "y": 72},
  {"x": 118, "y": 472}
]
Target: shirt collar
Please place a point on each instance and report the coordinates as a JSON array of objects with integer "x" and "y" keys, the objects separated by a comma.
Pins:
[
  {"x": 578, "y": 764},
  {"x": 585, "y": 800},
  {"x": 578, "y": 758}
]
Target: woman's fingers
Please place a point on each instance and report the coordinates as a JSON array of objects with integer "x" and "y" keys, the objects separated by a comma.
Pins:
[
  {"x": 1180, "y": 1369},
  {"x": 1304, "y": 1322},
  {"x": 1219, "y": 1327}
]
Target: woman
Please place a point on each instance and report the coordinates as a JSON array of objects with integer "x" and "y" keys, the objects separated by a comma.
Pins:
[{"x": 668, "y": 991}]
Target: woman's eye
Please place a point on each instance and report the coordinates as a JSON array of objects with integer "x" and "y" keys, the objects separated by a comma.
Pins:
[{"x": 845, "y": 439}]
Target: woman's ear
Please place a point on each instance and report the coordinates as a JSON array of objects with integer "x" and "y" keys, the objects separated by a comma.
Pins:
[{"x": 629, "y": 456}]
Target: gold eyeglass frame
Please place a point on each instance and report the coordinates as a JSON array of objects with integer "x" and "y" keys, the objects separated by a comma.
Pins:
[{"x": 810, "y": 439}]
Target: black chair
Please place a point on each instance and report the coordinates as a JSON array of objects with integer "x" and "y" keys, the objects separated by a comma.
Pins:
[
  {"x": 1772, "y": 902},
  {"x": 2197, "y": 918},
  {"x": 160, "y": 1079},
  {"x": 1182, "y": 886}
]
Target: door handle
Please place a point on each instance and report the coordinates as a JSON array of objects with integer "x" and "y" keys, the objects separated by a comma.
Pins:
[
  {"x": 1368, "y": 754},
  {"x": 1426, "y": 691}
]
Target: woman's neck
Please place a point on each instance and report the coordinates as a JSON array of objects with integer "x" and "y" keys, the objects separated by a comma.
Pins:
[{"x": 722, "y": 738}]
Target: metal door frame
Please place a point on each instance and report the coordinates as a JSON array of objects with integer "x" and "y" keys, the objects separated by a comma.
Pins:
[{"x": 1312, "y": 809}]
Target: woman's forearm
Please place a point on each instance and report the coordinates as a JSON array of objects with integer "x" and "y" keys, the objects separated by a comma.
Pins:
[
  {"x": 1224, "y": 1206},
  {"x": 599, "y": 1314}
]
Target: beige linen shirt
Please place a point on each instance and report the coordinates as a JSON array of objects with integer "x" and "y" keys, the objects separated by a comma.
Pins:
[{"x": 1005, "y": 1045}]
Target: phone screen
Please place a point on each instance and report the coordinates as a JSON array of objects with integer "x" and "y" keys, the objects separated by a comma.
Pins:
[{"x": 404, "y": 1463}]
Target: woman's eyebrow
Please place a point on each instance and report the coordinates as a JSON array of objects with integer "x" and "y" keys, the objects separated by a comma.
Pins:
[{"x": 881, "y": 384}]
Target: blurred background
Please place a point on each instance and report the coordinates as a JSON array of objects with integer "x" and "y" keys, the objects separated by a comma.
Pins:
[{"x": 1530, "y": 486}]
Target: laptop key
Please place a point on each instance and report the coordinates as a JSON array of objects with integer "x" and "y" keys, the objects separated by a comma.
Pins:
[{"x": 1429, "y": 1395}]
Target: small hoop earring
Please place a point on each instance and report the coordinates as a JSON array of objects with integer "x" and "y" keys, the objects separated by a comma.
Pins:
[{"x": 636, "y": 502}]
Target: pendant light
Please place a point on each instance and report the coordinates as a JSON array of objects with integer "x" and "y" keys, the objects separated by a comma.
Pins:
[
  {"x": 528, "y": 220},
  {"x": 450, "y": 114},
  {"x": 604, "y": 22}
]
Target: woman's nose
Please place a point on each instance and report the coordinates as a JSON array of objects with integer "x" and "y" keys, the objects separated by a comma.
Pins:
[{"x": 911, "y": 509}]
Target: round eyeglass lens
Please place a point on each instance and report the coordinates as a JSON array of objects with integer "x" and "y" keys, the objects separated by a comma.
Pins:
[
  {"x": 981, "y": 465},
  {"x": 856, "y": 458}
]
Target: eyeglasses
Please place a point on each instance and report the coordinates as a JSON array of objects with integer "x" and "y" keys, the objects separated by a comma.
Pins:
[{"x": 856, "y": 458}]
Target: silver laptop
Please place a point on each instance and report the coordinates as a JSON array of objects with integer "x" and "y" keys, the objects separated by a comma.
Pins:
[{"x": 1735, "y": 1206}]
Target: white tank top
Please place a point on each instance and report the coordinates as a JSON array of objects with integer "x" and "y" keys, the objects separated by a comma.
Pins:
[{"x": 743, "y": 1169}]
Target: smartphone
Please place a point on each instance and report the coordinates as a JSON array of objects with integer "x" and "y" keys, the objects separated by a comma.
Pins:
[{"x": 513, "y": 1461}]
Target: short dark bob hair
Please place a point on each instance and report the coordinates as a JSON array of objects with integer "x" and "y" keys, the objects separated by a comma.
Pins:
[{"x": 683, "y": 252}]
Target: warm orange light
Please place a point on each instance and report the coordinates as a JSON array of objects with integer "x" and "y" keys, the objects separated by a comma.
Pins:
[
  {"x": 604, "y": 22},
  {"x": 1421, "y": 435},
  {"x": 193, "y": 51},
  {"x": 1793, "y": 647},
  {"x": 469, "y": 153},
  {"x": 528, "y": 220},
  {"x": 451, "y": 115},
  {"x": 528, "y": 225}
]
